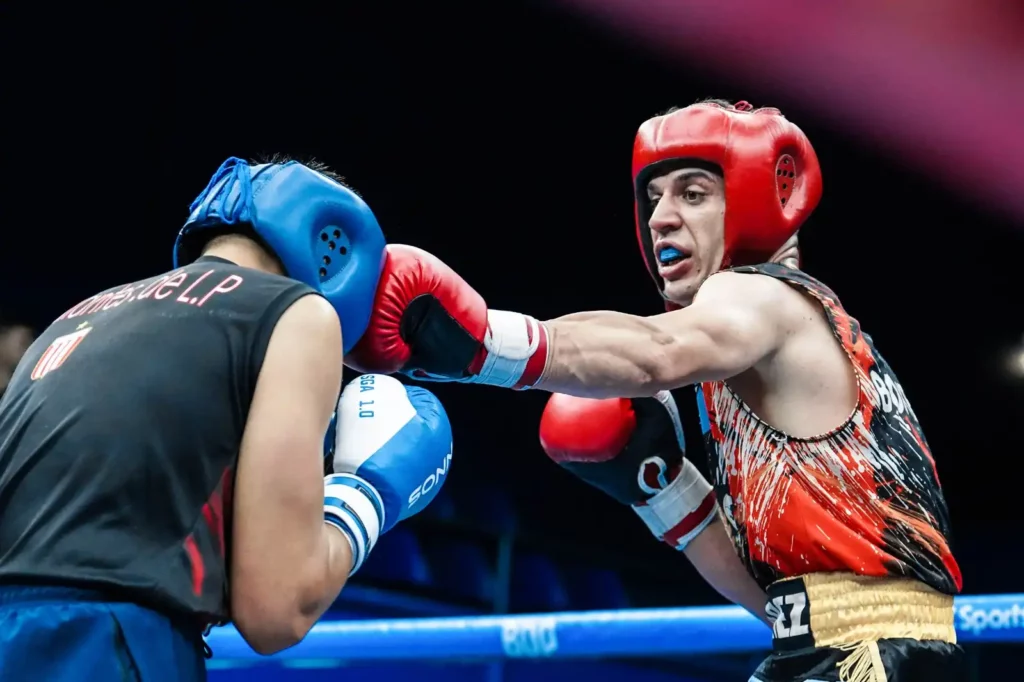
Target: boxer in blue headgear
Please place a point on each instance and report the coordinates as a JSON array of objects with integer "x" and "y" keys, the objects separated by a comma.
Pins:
[
  {"x": 322, "y": 233},
  {"x": 190, "y": 494}
]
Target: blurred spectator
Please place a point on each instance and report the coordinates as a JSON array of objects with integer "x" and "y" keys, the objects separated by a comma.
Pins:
[{"x": 15, "y": 338}]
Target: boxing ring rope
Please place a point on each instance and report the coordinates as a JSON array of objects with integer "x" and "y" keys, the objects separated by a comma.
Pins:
[{"x": 662, "y": 632}]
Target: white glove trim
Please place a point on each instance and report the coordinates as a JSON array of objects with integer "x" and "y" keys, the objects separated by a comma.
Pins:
[
  {"x": 371, "y": 411},
  {"x": 685, "y": 507},
  {"x": 355, "y": 507},
  {"x": 512, "y": 341}
]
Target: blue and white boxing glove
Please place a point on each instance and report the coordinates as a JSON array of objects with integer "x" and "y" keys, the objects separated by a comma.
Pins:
[{"x": 392, "y": 453}]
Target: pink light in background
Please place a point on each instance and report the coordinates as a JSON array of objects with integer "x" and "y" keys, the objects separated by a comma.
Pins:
[{"x": 938, "y": 83}]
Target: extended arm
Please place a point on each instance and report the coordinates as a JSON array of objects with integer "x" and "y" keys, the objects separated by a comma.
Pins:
[
  {"x": 430, "y": 324},
  {"x": 729, "y": 328}
]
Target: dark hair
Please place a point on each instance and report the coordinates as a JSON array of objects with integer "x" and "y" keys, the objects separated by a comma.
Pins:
[
  {"x": 724, "y": 103},
  {"x": 310, "y": 163}
]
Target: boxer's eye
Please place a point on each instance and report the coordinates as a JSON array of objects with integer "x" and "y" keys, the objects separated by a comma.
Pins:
[
  {"x": 692, "y": 196},
  {"x": 652, "y": 202}
]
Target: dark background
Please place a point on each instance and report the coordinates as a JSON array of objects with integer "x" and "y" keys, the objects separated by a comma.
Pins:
[{"x": 499, "y": 138}]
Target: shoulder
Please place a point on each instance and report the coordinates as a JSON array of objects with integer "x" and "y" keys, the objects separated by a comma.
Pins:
[
  {"x": 303, "y": 359},
  {"x": 752, "y": 289},
  {"x": 784, "y": 303},
  {"x": 310, "y": 321},
  {"x": 311, "y": 312}
]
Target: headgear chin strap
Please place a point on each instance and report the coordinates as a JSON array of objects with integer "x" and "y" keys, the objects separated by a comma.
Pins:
[
  {"x": 771, "y": 174},
  {"x": 321, "y": 231}
]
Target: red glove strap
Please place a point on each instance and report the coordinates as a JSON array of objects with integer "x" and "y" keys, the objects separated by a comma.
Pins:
[
  {"x": 514, "y": 353},
  {"x": 682, "y": 510}
]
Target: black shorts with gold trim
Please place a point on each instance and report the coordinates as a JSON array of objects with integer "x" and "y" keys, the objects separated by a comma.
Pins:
[{"x": 839, "y": 627}]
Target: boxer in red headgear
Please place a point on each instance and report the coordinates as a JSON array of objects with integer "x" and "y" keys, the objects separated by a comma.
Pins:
[
  {"x": 760, "y": 162},
  {"x": 824, "y": 495}
]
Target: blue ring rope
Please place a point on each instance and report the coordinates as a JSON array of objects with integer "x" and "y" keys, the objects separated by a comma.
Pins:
[{"x": 590, "y": 634}]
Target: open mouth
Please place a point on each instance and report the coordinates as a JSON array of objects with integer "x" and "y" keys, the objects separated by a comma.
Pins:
[{"x": 669, "y": 256}]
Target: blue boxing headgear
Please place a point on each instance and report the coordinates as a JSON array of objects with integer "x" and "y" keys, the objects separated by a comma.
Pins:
[{"x": 321, "y": 231}]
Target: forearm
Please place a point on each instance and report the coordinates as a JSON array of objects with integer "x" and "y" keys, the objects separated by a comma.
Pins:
[
  {"x": 306, "y": 584},
  {"x": 609, "y": 354},
  {"x": 433, "y": 326},
  {"x": 329, "y": 571},
  {"x": 713, "y": 554}
]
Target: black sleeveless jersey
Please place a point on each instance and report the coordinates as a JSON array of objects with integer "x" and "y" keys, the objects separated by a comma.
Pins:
[{"x": 119, "y": 437}]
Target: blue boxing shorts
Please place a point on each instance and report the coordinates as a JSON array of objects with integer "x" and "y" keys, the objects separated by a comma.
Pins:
[{"x": 52, "y": 634}]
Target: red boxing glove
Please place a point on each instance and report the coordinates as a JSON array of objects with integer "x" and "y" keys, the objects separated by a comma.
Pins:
[
  {"x": 634, "y": 450},
  {"x": 428, "y": 323}
]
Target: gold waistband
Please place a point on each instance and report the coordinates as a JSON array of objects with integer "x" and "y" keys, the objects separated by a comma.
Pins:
[
  {"x": 846, "y": 608},
  {"x": 853, "y": 612}
]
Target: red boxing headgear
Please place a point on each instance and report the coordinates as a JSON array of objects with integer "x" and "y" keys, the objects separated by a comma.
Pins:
[{"x": 771, "y": 174}]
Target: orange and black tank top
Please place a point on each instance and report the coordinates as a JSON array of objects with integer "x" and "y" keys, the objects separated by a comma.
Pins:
[{"x": 864, "y": 498}]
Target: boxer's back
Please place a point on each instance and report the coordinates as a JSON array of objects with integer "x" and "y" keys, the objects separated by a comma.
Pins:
[{"x": 119, "y": 435}]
